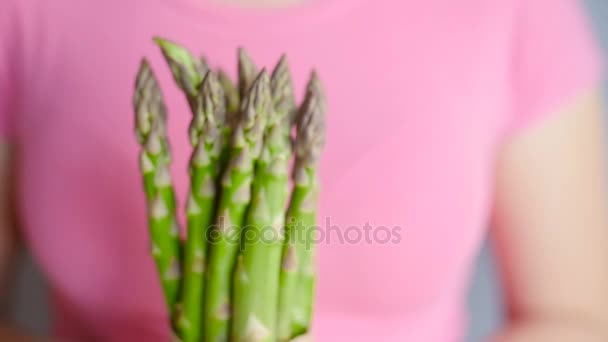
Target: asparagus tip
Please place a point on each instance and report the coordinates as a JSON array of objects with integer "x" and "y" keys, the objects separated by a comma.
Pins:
[
  {"x": 316, "y": 87},
  {"x": 163, "y": 43},
  {"x": 211, "y": 85},
  {"x": 157, "y": 39},
  {"x": 144, "y": 64},
  {"x": 282, "y": 89},
  {"x": 260, "y": 88},
  {"x": 150, "y": 110},
  {"x": 246, "y": 70},
  {"x": 209, "y": 110},
  {"x": 259, "y": 91},
  {"x": 314, "y": 82},
  {"x": 281, "y": 70},
  {"x": 253, "y": 116},
  {"x": 243, "y": 55},
  {"x": 245, "y": 61},
  {"x": 282, "y": 64},
  {"x": 310, "y": 137},
  {"x": 263, "y": 76},
  {"x": 143, "y": 74},
  {"x": 187, "y": 69}
]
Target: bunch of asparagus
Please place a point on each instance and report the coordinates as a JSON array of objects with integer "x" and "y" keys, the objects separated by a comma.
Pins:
[{"x": 245, "y": 272}]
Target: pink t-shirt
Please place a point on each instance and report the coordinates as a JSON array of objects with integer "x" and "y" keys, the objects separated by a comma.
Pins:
[{"x": 421, "y": 94}]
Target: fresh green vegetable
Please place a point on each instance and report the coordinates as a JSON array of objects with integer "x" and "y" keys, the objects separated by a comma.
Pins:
[
  {"x": 284, "y": 103},
  {"x": 247, "y": 72},
  {"x": 256, "y": 281},
  {"x": 283, "y": 98},
  {"x": 231, "y": 101},
  {"x": 188, "y": 71},
  {"x": 234, "y": 199},
  {"x": 206, "y": 135},
  {"x": 297, "y": 269},
  {"x": 150, "y": 130},
  {"x": 247, "y": 264}
]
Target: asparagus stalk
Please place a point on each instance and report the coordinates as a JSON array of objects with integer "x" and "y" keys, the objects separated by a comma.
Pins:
[
  {"x": 231, "y": 100},
  {"x": 247, "y": 72},
  {"x": 256, "y": 280},
  {"x": 206, "y": 134},
  {"x": 232, "y": 97},
  {"x": 188, "y": 71},
  {"x": 150, "y": 130},
  {"x": 283, "y": 96},
  {"x": 234, "y": 199},
  {"x": 297, "y": 271}
]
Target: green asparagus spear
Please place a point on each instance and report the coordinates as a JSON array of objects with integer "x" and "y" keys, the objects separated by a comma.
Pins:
[
  {"x": 188, "y": 71},
  {"x": 234, "y": 199},
  {"x": 206, "y": 133},
  {"x": 256, "y": 280},
  {"x": 231, "y": 97},
  {"x": 284, "y": 103},
  {"x": 150, "y": 130},
  {"x": 247, "y": 72},
  {"x": 299, "y": 254},
  {"x": 282, "y": 92}
]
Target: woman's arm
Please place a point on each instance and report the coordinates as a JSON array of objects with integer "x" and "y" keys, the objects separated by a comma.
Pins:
[
  {"x": 551, "y": 228},
  {"x": 8, "y": 238}
]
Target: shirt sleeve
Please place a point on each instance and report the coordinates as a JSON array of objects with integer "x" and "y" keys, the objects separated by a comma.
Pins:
[
  {"x": 8, "y": 69},
  {"x": 555, "y": 58}
]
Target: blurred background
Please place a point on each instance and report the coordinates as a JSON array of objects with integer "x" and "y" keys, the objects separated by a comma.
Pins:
[{"x": 29, "y": 304}]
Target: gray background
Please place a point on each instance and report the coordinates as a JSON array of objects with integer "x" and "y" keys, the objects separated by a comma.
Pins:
[{"x": 28, "y": 305}]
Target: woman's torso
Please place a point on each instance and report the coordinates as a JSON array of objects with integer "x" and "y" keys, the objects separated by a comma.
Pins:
[{"x": 417, "y": 97}]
